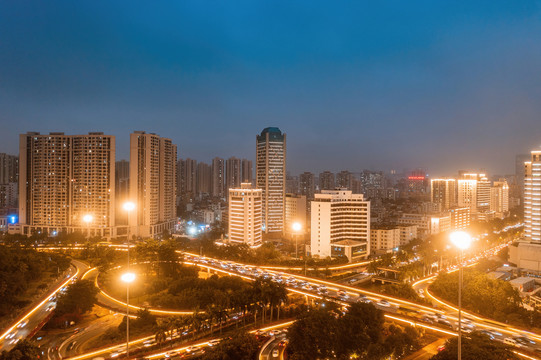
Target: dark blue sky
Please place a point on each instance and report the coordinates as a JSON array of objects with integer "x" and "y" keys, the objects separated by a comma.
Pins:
[{"x": 386, "y": 84}]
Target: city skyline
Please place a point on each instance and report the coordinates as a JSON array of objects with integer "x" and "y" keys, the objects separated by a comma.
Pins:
[{"x": 376, "y": 87}]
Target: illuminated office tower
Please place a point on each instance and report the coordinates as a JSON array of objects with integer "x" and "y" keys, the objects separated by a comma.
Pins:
[
  {"x": 532, "y": 198},
  {"x": 499, "y": 198},
  {"x": 245, "y": 215},
  {"x": 65, "y": 180},
  {"x": 340, "y": 225},
  {"x": 443, "y": 192},
  {"x": 474, "y": 192},
  {"x": 152, "y": 184},
  {"x": 270, "y": 177}
]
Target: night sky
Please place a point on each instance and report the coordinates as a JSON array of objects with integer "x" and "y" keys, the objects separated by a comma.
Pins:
[{"x": 378, "y": 85}]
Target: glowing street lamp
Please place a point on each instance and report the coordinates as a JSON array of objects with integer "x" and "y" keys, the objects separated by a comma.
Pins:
[
  {"x": 462, "y": 240},
  {"x": 128, "y": 278}
]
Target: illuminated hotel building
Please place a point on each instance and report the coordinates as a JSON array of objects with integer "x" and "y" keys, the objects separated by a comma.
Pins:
[
  {"x": 270, "y": 177},
  {"x": 443, "y": 192},
  {"x": 64, "y": 178},
  {"x": 245, "y": 215},
  {"x": 340, "y": 223},
  {"x": 152, "y": 184}
]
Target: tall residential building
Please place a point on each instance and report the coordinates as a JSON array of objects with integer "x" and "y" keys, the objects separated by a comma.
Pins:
[
  {"x": 247, "y": 171},
  {"x": 443, "y": 192},
  {"x": 9, "y": 168},
  {"x": 499, "y": 198},
  {"x": 204, "y": 179},
  {"x": 233, "y": 173},
  {"x": 307, "y": 185},
  {"x": 62, "y": 179},
  {"x": 152, "y": 184},
  {"x": 187, "y": 178},
  {"x": 295, "y": 212},
  {"x": 344, "y": 180},
  {"x": 326, "y": 180},
  {"x": 292, "y": 184},
  {"x": 271, "y": 176},
  {"x": 122, "y": 190},
  {"x": 340, "y": 224},
  {"x": 218, "y": 177},
  {"x": 245, "y": 215},
  {"x": 9, "y": 197}
]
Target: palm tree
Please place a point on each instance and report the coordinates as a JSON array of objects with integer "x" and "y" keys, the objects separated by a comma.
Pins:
[{"x": 160, "y": 334}]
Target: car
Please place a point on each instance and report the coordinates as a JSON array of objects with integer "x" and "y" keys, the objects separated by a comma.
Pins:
[
  {"x": 191, "y": 349},
  {"x": 351, "y": 281},
  {"x": 445, "y": 323},
  {"x": 214, "y": 342},
  {"x": 283, "y": 343},
  {"x": 171, "y": 354},
  {"x": 22, "y": 324},
  {"x": 274, "y": 332},
  {"x": 50, "y": 308},
  {"x": 524, "y": 340},
  {"x": 275, "y": 353},
  {"x": 149, "y": 343},
  {"x": 384, "y": 303},
  {"x": 511, "y": 342},
  {"x": 441, "y": 348},
  {"x": 487, "y": 333}
]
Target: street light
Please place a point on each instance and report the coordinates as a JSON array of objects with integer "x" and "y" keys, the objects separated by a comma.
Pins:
[
  {"x": 87, "y": 219},
  {"x": 128, "y": 278},
  {"x": 462, "y": 240},
  {"x": 128, "y": 207},
  {"x": 296, "y": 226}
]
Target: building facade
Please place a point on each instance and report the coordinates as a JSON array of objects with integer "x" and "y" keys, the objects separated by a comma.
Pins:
[
  {"x": 152, "y": 184},
  {"x": 270, "y": 178},
  {"x": 295, "y": 212},
  {"x": 443, "y": 192},
  {"x": 245, "y": 215},
  {"x": 339, "y": 216},
  {"x": 499, "y": 198},
  {"x": 64, "y": 179}
]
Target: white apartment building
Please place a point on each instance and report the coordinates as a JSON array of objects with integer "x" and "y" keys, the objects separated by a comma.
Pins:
[
  {"x": 270, "y": 177},
  {"x": 532, "y": 198},
  {"x": 245, "y": 215},
  {"x": 64, "y": 179},
  {"x": 340, "y": 223},
  {"x": 152, "y": 184},
  {"x": 474, "y": 192},
  {"x": 499, "y": 198}
]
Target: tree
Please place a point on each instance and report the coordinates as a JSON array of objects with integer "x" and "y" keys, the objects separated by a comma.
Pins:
[
  {"x": 477, "y": 347},
  {"x": 24, "y": 350},
  {"x": 78, "y": 299},
  {"x": 241, "y": 346}
]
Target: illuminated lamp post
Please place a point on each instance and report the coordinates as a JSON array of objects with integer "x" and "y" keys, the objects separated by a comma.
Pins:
[
  {"x": 128, "y": 278},
  {"x": 462, "y": 240}
]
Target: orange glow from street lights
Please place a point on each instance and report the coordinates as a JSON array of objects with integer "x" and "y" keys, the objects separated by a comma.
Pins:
[
  {"x": 128, "y": 277},
  {"x": 88, "y": 218},
  {"x": 296, "y": 226},
  {"x": 128, "y": 206},
  {"x": 461, "y": 239}
]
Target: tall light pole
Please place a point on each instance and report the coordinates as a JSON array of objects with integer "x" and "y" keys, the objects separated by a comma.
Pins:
[
  {"x": 87, "y": 219},
  {"x": 128, "y": 207},
  {"x": 297, "y": 229},
  {"x": 128, "y": 278},
  {"x": 462, "y": 241}
]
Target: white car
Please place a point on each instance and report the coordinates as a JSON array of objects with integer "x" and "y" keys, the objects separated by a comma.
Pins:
[{"x": 214, "y": 342}]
